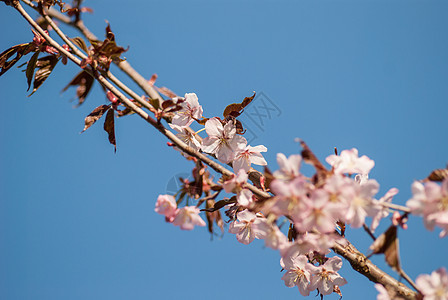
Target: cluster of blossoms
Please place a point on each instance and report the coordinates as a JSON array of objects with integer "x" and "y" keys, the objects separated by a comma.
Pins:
[
  {"x": 430, "y": 200},
  {"x": 186, "y": 217},
  {"x": 223, "y": 140},
  {"x": 317, "y": 208}
]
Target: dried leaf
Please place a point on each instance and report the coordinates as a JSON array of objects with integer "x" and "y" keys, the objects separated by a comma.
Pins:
[
  {"x": 109, "y": 127},
  {"x": 214, "y": 217},
  {"x": 45, "y": 66},
  {"x": 79, "y": 41},
  {"x": 152, "y": 80},
  {"x": 438, "y": 175},
  {"x": 94, "y": 116},
  {"x": 309, "y": 157},
  {"x": 84, "y": 82},
  {"x": 167, "y": 92},
  {"x": 30, "y": 69},
  {"x": 387, "y": 243},
  {"x": 220, "y": 204},
  {"x": 236, "y": 109},
  {"x": 19, "y": 50}
]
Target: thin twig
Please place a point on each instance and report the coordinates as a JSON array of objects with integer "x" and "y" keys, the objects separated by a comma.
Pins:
[{"x": 396, "y": 207}]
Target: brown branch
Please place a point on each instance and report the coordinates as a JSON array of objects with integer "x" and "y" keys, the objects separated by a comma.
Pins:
[{"x": 364, "y": 266}]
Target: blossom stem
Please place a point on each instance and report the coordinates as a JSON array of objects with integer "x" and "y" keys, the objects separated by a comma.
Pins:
[{"x": 396, "y": 207}]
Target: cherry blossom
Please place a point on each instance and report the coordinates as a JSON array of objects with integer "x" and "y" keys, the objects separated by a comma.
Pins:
[
  {"x": 349, "y": 162},
  {"x": 297, "y": 273},
  {"x": 341, "y": 191},
  {"x": 187, "y": 136},
  {"x": 222, "y": 140},
  {"x": 245, "y": 227},
  {"x": 362, "y": 202},
  {"x": 272, "y": 235},
  {"x": 289, "y": 197},
  {"x": 235, "y": 185},
  {"x": 379, "y": 211},
  {"x": 166, "y": 205},
  {"x": 248, "y": 155},
  {"x": 318, "y": 214},
  {"x": 190, "y": 111},
  {"x": 289, "y": 167},
  {"x": 434, "y": 286},
  {"x": 325, "y": 277},
  {"x": 382, "y": 292},
  {"x": 187, "y": 217},
  {"x": 431, "y": 201}
]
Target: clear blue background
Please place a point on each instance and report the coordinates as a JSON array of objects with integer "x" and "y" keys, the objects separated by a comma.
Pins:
[{"x": 77, "y": 221}]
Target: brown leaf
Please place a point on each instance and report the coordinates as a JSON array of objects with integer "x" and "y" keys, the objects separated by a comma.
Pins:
[
  {"x": 167, "y": 92},
  {"x": 152, "y": 80},
  {"x": 387, "y": 243},
  {"x": 109, "y": 127},
  {"x": 30, "y": 69},
  {"x": 214, "y": 217},
  {"x": 236, "y": 109},
  {"x": 220, "y": 204},
  {"x": 94, "y": 116},
  {"x": 438, "y": 175},
  {"x": 84, "y": 82},
  {"x": 79, "y": 41},
  {"x": 19, "y": 50},
  {"x": 309, "y": 157},
  {"x": 45, "y": 66}
]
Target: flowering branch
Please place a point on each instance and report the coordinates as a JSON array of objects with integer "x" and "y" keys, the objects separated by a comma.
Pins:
[{"x": 313, "y": 205}]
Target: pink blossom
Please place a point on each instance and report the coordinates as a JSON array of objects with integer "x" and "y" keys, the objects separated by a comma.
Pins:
[
  {"x": 222, "y": 140},
  {"x": 383, "y": 294},
  {"x": 318, "y": 214},
  {"x": 431, "y": 201},
  {"x": 297, "y": 273},
  {"x": 245, "y": 227},
  {"x": 248, "y": 155},
  {"x": 187, "y": 136},
  {"x": 235, "y": 185},
  {"x": 341, "y": 191},
  {"x": 289, "y": 167},
  {"x": 190, "y": 111},
  {"x": 187, "y": 217},
  {"x": 166, "y": 205},
  {"x": 379, "y": 211},
  {"x": 434, "y": 286},
  {"x": 362, "y": 202},
  {"x": 271, "y": 234},
  {"x": 349, "y": 162},
  {"x": 325, "y": 277},
  {"x": 288, "y": 198}
]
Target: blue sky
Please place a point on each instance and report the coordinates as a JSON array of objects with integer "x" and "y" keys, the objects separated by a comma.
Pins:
[{"x": 77, "y": 221}]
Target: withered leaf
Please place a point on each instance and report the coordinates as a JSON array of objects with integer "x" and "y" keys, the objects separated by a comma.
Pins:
[
  {"x": 236, "y": 109},
  {"x": 387, "y": 243},
  {"x": 309, "y": 157},
  {"x": 167, "y": 92},
  {"x": 30, "y": 69},
  {"x": 84, "y": 82},
  {"x": 94, "y": 116},
  {"x": 45, "y": 66},
  {"x": 220, "y": 204},
  {"x": 109, "y": 127},
  {"x": 214, "y": 217},
  {"x": 79, "y": 41},
  {"x": 19, "y": 50},
  {"x": 438, "y": 175}
]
